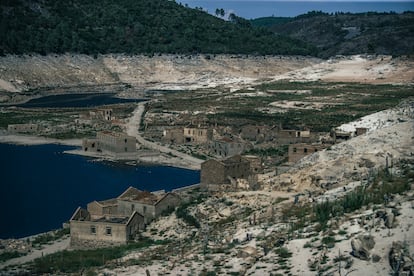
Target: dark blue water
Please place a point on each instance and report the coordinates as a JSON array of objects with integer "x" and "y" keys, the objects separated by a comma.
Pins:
[
  {"x": 254, "y": 9},
  {"x": 41, "y": 187},
  {"x": 76, "y": 100}
]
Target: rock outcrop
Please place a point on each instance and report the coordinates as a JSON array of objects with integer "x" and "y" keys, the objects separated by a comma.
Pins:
[
  {"x": 400, "y": 260},
  {"x": 361, "y": 246}
]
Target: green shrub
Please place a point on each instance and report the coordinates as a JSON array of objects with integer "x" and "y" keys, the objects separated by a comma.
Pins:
[
  {"x": 76, "y": 260},
  {"x": 283, "y": 252},
  {"x": 10, "y": 255},
  {"x": 329, "y": 241}
]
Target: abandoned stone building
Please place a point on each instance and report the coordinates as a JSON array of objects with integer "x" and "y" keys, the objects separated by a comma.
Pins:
[
  {"x": 218, "y": 172},
  {"x": 197, "y": 135},
  {"x": 226, "y": 147},
  {"x": 116, "y": 142},
  {"x": 96, "y": 117},
  {"x": 150, "y": 205},
  {"x": 173, "y": 136},
  {"x": 105, "y": 114},
  {"x": 88, "y": 230},
  {"x": 112, "y": 142},
  {"x": 187, "y": 135},
  {"x": 258, "y": 133},
  {"x": 298, "y": 151},
  {"x": 118, "y": 219},
  {"x": 340, "y": 136},
  {"x": 289, "y": 136},
  {"x": 23, "y": 128},
  {"x": 256, "y": 165},
  {"x": 360, "y": 131}
]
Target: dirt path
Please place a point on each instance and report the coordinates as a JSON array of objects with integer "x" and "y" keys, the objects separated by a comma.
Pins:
[
  {"x": 48, "y": 249},
  {"x": 178, "y": 158}
]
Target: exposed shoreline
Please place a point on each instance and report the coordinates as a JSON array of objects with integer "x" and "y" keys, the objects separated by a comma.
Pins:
[{"x": 140, "y": 158}]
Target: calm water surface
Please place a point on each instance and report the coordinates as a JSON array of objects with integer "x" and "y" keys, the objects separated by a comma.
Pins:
[
  {"x": 76, "y": 100},
  {"x": 41, "y": 186}
]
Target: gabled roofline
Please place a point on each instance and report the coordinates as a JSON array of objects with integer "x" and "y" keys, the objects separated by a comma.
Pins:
[
  {"x": 75, "y": 213},
  {"x": 162, "y": 198},
  {"x": 129, "y": 188},
  {"x": 135, "y": 213},
  {"x": 95, "y": 201}
]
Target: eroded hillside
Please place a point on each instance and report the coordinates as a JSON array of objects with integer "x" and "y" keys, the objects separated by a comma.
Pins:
[
  {"x": 33, "y": 74},
  {"x": 27, "y": 73}
]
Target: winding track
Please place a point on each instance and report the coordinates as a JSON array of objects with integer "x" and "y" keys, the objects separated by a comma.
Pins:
[{"x": 132, "y": 129}]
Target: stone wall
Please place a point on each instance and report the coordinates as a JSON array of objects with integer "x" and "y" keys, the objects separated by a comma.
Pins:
[
  {"x": 173, "y": 136},
  {"x": 116, "y": 142},
  {"x": 286, "y": 136},
  {"x": 212, "y": 171},
  {"x": 81, "y": 233},
  {"x": 23, "y": 128},
  {"x": 219, "y": 172},
  {"x": 197, "y": 135},
  {"x": 226, "y": 148},
  {"x": 126, "y": 208},
  {"x": 167, "y": 202},
  {"x": 298, "y": 151}
]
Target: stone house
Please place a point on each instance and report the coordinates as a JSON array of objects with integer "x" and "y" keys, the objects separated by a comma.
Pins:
[
  {"x": 116, "y": 142},
  {"x": 226, "y": 147},
  {"x": 105, "y": 114},
  {"x": 258, "y": 133},
  {"x": 360, "y": 131},
  {"x": 298, "y": 151},
  {"x": 340, "y": 136},
  {"x": 87, "y": 230},
  {"x": 102, "y": 114},
  {"x": 23, "y": 128},
  {"x": 124, "y": 215},
  {"x": 197, "y": 135},
  {"x": 256, "y": 165},
  {"x": 215, "y": 172},
  {"x": 290, "y": 136},
  {"x": 112, "y": 142},
  {"x": 148, "y": 204},
  {"x": 188, "y": 135},
  {"x": 173, "y": 136}
]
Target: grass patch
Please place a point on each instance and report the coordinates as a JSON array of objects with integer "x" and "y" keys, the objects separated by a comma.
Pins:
[
  {"x": 277, "y": 151},
  {"x": 329, "y": 241},
  {"x": 49, "y": 237},
  {"x": 342, "y": 232},
  {"x": 307, "y": 245},
  {"x": 383, "y": 185},
  {"x": 283, "y": 252},
  {"x": 183, "y": 212},
  {"x": 5, "y": 256},
  {"x": 76, "y": 260}
]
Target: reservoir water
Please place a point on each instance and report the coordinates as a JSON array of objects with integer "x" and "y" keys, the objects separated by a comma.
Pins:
[
  {"x": 41, "y": 186},
  {"x": 76, "y": 100}
]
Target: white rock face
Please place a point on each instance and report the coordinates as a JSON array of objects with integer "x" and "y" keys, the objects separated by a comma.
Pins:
[{"x": 390, "y": 137}]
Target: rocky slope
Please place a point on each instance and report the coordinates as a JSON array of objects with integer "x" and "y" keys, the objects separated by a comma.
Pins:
[
  {"x": 246, "y": 233},
  {"x": 29, "y": 72},
  {"x": 389, "y": 139}
]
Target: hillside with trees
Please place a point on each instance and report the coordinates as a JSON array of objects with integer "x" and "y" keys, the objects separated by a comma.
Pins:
[
  {"x": 131, "y": 26},
  {"x": 346, "y": 33}
]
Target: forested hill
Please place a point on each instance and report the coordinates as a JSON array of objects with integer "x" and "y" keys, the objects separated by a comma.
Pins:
[
  {"x": 346, "y": 34},
  {"x": 130, "y": 26}
]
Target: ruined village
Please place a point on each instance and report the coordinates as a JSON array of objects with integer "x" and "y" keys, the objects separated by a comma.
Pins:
[{"x": 302, "y": 170}]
